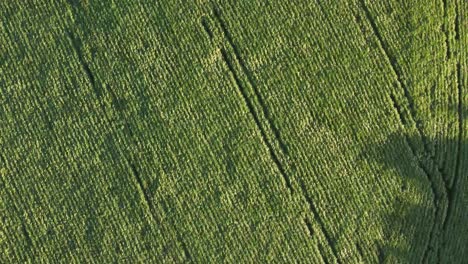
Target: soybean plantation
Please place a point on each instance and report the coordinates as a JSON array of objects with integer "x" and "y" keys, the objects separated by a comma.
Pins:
[{"x": 233, "y": 131}]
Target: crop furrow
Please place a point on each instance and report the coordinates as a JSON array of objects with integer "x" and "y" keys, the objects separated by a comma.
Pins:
[
  {"x": 206, "y": 27},
  {"x": 457, "y": 22},
  {"x": 184, "y": 248},
  {"x": 460, "y": 125},
  {"x": 403, "y": 121},
  {"x": 413, "y": 149},
  {"x": 323, "y": 254},
  {"x": 250, "y": 79},
  {"x": 446, "y": 29},
  {"x": 89, "y": 74},
  {"x": 26, "y": 234},
  {"x": 152, "y": 210},
  {"x": 359, "y": 250},
  {"x": 251, "y": 109},
  {"x": 456, "y": 178},
  {"x": 308, "y": 225},
  {"x": 141, "y": 188},
  {"x": 398, "y": 110},
  {"x": 319, "y": 220},
  {"x": 427, "y": 247}
]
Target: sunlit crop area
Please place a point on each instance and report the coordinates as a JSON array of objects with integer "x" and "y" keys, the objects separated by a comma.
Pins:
[{"x": 233, "y": 131}]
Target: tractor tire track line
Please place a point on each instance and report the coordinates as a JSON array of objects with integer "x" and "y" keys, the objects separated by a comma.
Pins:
[
  {"x": 256, "y": 119},
  {"x": 249, "y": 104},
  {"x": 434, "y": 191},
  {"x": 308, "y": 225},
  {"x": 206, "y": 27},
  {"x": 456, "y": 179},
  {"x": 132, "y": 168},
  {"x": 252, "y": 83},
  {"x": 446, "y": 30},
  {"x": 396, "y": 72},
  {"x": 319, "y": 220},
  {"x": 91, "y": 79},
  {"x": 457, "y": 22}
]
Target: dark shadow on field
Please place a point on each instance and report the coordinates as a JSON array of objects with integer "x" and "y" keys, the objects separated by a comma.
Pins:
[{"x": 415, "y": 232}]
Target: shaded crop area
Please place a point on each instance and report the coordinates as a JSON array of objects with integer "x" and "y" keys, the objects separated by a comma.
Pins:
[
  {"x": 394, "y": 156},
  {"x": 233, "y": 132}
]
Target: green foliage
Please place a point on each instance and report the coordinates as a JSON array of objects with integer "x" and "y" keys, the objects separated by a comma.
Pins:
[{"x": 236, "y": 131}]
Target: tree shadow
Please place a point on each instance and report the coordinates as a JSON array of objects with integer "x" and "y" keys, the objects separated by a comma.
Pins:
[{"x": 420, "y": 220}]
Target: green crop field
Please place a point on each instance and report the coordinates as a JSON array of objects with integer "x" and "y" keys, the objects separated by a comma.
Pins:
[{"x": 233, "y": 131}]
